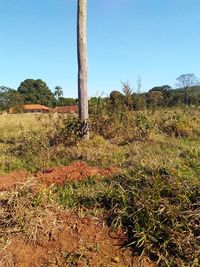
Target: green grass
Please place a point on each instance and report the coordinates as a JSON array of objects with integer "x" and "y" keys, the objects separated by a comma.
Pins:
[{"x": 159, "y": 212}]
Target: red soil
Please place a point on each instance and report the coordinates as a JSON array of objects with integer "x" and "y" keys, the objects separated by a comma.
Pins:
[
  {"x": 75, "y": 172},
  {"x": 11, "y": 180},
  {"x": 74, "y": 241},
  {"x": 59, "y": 175}
]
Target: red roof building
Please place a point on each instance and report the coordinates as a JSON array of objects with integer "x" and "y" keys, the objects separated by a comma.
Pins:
[
  {"x": 36, "y": 108},
  {"x": 66, "y": 109}
]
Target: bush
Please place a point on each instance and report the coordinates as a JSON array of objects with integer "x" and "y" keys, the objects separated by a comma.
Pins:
[{"x": 180, "y": 124}]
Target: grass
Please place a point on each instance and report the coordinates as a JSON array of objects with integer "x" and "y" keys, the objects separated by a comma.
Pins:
[{"x": 156, "y": 196}]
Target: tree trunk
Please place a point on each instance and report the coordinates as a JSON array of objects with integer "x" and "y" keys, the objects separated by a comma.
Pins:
[
  {"x": 82, "y": 67},
  {"x": 186, "y": 97}
]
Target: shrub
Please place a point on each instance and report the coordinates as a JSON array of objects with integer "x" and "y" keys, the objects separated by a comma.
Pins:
[
  {"x": 181, "y": 124},
  {"x": 144, "y": 125}
]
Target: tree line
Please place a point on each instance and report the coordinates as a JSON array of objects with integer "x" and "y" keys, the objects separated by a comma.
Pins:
[
  {"x": 186, "y": 93},
  {"x": 33, "y": 91}
]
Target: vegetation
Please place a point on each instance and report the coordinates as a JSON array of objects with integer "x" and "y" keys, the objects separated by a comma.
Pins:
[
  {"x": 32, "y": 92},
  {"x": 58, "y": 92},
  {"x": 186, "y": 81},
  {"x": 155, "y": 197},
  {"x": 9, "y": 98},
  {"x": 37, "y": 92}
]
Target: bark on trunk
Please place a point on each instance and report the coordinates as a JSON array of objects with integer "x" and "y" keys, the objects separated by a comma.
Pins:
[
  {"x": 82, "y": 67},
  {"x": 186, "y": 97}
]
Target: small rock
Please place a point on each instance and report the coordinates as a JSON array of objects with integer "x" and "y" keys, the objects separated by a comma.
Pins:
[{"x": 116, "y": 259}]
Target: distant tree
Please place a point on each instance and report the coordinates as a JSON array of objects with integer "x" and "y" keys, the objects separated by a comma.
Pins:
[
  {"x": 186, "y": 81},
  {"x": 139, "y": 84},
  {"x": 58, "y": 92},
  {"x": 63, "y": 101},
  {"x": 117, "y": 99},
  {"x": 36, "y": 92},
  {"x": 176, "y": 99},
  {"x": 155, "y": 98},
  {"x": 163, "y": 88},
  {"x": 166, "y": 91},
  {"x": 195, "y": 99},
  {"x": 139, "y": 100},
  {"x": 4, "y": 97},
  {"x": 9, "y": 98},
  {"x": 128, "y": 92}
]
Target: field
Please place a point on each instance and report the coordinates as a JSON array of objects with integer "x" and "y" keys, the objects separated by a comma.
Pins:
[{"x": 129, "y": 196}]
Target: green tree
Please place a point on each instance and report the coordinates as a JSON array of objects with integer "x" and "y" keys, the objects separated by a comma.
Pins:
[
  {"x": 166, "y": 91},
  {"x": 36, "y": 92},
  {"x": 58, "y": 92},
  {"x": 155, "y": 98},
  {"x": 176, "y": 99},
  {"x": 63, "y": 101},
  {"x": 186, "y": 81},
  {"x": 9, "y": 98},
  {"x": 117, "y": 100}
]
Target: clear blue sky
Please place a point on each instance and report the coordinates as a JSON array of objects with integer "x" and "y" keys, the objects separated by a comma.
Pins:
[{"x": 157, "y": 39}]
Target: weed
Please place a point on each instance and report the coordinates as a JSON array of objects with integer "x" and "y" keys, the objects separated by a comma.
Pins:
[{"x": 159, "y": 212}]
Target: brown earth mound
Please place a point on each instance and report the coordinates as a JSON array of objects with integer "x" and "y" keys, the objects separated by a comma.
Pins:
[
  {"x": 58, "y": 175},
  {"x": 75, "y": 172},
  {"x": 11, "y": 180},
  {"x": 73, "y": 241}
]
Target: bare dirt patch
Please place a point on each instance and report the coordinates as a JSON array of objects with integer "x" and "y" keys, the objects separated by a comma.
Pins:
[
  {"x": 74, "y": 242},
  {"x": 59, "y": 175},
  {"x": 75, "y": 172},
  {"x": 11, "y": 180}
]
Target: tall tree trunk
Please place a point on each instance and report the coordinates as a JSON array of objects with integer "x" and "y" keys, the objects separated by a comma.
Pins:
[{"x": 82, "y": 67}]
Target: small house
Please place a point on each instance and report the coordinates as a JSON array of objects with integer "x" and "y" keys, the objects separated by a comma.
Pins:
[{"x": 36, "y": 108}]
